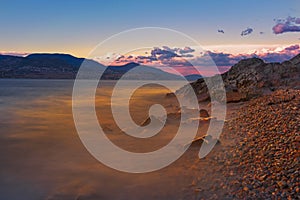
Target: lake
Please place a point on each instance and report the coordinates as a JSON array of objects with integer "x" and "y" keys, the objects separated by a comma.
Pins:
[{"x": 42, "y": 156}]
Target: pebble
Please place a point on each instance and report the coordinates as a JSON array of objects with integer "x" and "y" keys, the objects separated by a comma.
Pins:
[{"x": 266, "y": 158}]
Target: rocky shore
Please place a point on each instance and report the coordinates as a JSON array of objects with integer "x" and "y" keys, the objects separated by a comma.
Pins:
[
  {"x": 264, "y": 163},
  {"x": 249, "y": 78}
]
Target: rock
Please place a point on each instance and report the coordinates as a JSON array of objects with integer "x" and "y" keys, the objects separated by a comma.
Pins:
[
  {"x": 247, "y": 79},
  {"x": 203, "y": 113},
  {"x": 170, "y": 95},
  {"x": 246, "y": 188},
  {"x": 282, "y": 184},
  {"x": 197, "y": 142},
  {"x": 151, "y": 119},
  {"x": 264, "y": 161}
]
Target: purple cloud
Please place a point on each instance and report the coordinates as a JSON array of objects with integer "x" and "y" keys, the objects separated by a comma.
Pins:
[
  {"x": 187, "y": 55},
  {"x": 181, "y": 51},
  {"x": 161, "y": 57},
  {"x": 223, "y": 59},
  {"x": 293, "y": 47},
  {"x": 186, "y": 50},
  {"x": 161, "y": 54},
  {"x": 246, "y": 32},
  {"x": 290, "y": 24},
  {"x": 227, "y": 59}
]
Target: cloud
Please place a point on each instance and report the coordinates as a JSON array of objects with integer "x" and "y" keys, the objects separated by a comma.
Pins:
[
  {"x": 14, "y": 53},
  {"x": 221, "y": 31},
  {"x": 158, "y": 55},
  {"x": 225, "y": 59},
  {"x": 179, "y": 51},
  {"x": 290, "y": 24},
  {"x": 188, "y": 63},
  {"x": 271, "y": 55},
  {"x": 293, "y": 47},
  {"x": 222, "y": 59},
  {"x": 187, "y": 55},
  {"x": 146, "y": 58},
  {"x": 246, "y": 32},
  {"x": 161, "y": 54},
  {"x": 186, "y": 50}
]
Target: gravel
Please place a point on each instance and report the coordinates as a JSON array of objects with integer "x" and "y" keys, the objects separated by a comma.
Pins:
[{"x": 264, "y": 164}]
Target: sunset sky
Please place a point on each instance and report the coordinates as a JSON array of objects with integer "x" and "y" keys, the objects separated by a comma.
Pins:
[{"x": 230, "y": 27}]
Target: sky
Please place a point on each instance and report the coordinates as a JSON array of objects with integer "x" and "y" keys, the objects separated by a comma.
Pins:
[{"x": 76, "y": 27}]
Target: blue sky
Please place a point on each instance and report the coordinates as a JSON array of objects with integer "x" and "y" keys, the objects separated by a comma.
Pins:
[{"x": 77, "y": 26}]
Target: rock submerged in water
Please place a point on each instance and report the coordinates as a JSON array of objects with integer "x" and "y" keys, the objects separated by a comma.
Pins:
[
  {"x": 204, "y": 113},
  {"x": 152, "y": 119},
  {"x": 197, "y": 142},
  {"x": 170, "y": 95}
]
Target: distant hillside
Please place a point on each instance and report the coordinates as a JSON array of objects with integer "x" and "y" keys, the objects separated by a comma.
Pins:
[
  {"x": 137, "y": 72},
  {"x": 64, "y": 66},
  {"x": 250, "y": 78},
  {"x": 193, "y": 77},
  {"x": 39, "y": 66}
]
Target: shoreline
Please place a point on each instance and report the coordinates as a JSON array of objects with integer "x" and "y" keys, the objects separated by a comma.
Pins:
[{"x": 41, "y": 125}]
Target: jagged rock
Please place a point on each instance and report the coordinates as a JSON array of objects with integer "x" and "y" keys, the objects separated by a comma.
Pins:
[{"x": 247, "y": 79}]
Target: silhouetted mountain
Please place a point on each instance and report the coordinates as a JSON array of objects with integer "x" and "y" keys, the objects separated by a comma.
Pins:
[
  {"x": 135, "y": 71},
  {"x": 65, "y": 58},
  {"x": 193, "y": 77},
  {"x": 124, "y": 68},
  {"x": 64, "y": 66},
  {"x": 250, "y": 78},
  {"x": 40, "y": 66}
]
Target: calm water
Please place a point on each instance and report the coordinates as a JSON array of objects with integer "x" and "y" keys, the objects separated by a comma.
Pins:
[{"x": 42, "y": 157}]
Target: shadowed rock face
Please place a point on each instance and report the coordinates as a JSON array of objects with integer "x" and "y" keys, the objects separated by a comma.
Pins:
[{"x": 250, "y": 78}]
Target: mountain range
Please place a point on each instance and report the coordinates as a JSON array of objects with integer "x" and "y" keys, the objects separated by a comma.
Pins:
[{"x": 65, "y": 66}]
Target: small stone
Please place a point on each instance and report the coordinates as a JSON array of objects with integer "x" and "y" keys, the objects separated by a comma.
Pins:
[
  {"x": 198, "y": 190},
  {"x": 282, "y": 184},
  {"x": 203, "y": 113}
]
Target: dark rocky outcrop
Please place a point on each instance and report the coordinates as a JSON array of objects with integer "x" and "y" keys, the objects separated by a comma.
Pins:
[{"x": 250, "y": 78}]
